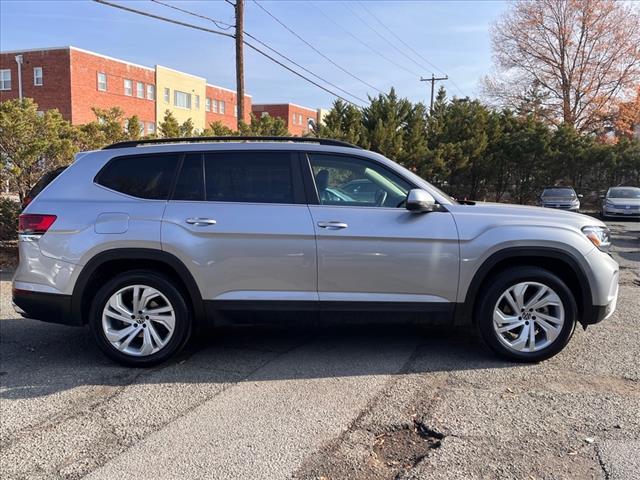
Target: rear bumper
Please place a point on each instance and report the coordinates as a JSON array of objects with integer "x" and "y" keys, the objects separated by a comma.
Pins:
[{"x": 47, "y": 307}]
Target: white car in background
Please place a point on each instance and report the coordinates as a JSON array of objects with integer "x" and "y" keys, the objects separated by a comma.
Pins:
[{"x": 621, "y": 202}]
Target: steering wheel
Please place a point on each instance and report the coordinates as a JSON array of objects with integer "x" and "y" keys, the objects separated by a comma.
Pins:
[{"x": 381, "y": 197}]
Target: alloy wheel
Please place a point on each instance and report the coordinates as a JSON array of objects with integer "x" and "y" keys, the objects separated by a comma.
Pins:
[
  {"x": 528, "y": 317},
  {"x": 138, "y": 320}
]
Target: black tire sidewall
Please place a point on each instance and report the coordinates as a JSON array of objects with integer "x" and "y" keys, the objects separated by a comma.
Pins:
[
  {"x": 163, "y": 285},
  {"x": 498, "y": 285}
]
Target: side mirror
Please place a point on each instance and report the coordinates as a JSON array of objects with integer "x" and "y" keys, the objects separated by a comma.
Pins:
[
  {"x": 420, "y": 201},
  {"x": 580, "y": 195}
]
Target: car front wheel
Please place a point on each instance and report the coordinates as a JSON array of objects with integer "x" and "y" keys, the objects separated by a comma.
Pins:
[
  {"x": 527, "y": 314},
  {"x": 139, "y": 319}
]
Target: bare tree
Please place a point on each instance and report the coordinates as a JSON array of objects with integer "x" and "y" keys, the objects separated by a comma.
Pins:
[{"x": 583, "y": 54}]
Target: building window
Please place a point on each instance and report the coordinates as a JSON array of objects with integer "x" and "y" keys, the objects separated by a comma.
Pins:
[
  {"x": 151, "y": 128},
  {"x": 128, "y": 87},
  {"x": 5, "y": 79},
  {"x": 221, "y": 107},
  {"x": 139, "y": 89},
  {"x": 167, "y": 95},
  {"x": 181, "y": 99},
  {"x": 264, "y": 114},
  {"x": 37, "y": 76},
  {"x": 235, "y": 110},
  {"x": 102, "y": 81},
  {"x": 207, "y": 104},
  {"x": 197, "y": 102},
  {"x": 151, "y": 92},
  {"x": 215, "y": 106}
]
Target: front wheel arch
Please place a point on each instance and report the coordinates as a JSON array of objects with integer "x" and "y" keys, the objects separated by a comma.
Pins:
[{"x": 558, "y": 262}]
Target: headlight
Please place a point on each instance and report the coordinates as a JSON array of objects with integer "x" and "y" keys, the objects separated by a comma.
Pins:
[
  {"x": 575, "y": 201},
  {"x": 599, "y": 236},
  {"x": 609, "y": 203}
]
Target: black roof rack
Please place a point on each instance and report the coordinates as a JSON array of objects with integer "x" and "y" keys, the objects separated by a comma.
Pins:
[{"x": 153, "y": 141}]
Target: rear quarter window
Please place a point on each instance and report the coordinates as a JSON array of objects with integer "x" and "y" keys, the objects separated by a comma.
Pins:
[{"x": 142, "y": 176}]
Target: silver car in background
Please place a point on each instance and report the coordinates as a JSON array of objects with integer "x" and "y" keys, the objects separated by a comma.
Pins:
[
  {"x": 621, "y": 202},
  {"x": 561, "y": 197},
  {"x": 147, "y": 241}
]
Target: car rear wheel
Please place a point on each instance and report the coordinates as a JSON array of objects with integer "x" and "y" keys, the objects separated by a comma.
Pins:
[
  {"x": 527, "y": 314},
  {"x": 140, "y": 318}
]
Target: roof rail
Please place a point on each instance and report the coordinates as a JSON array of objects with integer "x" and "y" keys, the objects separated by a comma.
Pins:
[{"x": 154, "y": 141}]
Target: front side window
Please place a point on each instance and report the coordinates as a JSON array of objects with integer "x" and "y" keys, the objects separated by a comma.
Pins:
[
  {"x": 128, "y": 87},
  {"x": 140, "y": 89},
  {"x": 351, "y": 181},
  {"x": 181, "y": 99},
  {"x": 255, "y": 177},
  {"x": 37, "y": 76},
  {"x": 167, "y": 95},
  {"x": 151, "y": 92},
  {"x": 142, "y": 176},
  {"x": 102, "y": 81},
  {"x": 5, "y": 79}
]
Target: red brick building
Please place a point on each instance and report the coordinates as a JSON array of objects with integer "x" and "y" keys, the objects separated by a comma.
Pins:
[
  {"x": 75, "y": 80},
  {"x": 297, "y": 118},
  {"x": 220, "y": 106}
]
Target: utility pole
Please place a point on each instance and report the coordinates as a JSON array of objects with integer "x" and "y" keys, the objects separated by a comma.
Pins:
[
  {"x": 239, "y": 7},
  {"x": 433, "y": 81}
]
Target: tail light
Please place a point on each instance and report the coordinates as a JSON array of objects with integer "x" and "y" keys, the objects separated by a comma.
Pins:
[{"x": 34, "y": 224}]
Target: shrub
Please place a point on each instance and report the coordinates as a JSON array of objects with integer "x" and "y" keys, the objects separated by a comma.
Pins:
[{"x": 9, "y": 211}]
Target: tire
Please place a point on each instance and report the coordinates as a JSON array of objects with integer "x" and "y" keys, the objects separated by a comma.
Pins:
[
  {"x": 145, "y": 340},
  {"x": 550, "y": 335}
]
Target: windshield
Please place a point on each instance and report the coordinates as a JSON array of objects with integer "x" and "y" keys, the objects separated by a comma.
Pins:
[
  {"x": 558, "y": 192},
  {"x": 627, "y": 192}
]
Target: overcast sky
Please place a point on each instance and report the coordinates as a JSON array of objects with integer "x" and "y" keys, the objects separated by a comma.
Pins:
[{"x": 452, "y": 36}]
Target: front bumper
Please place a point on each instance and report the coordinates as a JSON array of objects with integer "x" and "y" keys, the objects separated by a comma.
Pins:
[
  {"x": 47, "y": 307},
  {"x": 569, "y": 208},
  {"x": 620, "y": 212},
  {"x": 597, "y": 313}
]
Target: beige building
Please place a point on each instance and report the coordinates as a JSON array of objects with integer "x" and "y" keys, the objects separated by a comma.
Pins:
[{"x": 182, "y": 94}]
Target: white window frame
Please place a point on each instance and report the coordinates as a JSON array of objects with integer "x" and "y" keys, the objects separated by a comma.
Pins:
[
  {"x": 36, "y": 77},
  {"x": 167, "y": 95},
  {"x": 187, "y": 98},
  {"x": 207, "y": 104},
  {"x": 106, "y": 84},
  {"x": 151, "y": 128},
  {"x": 197, "y": 102},
  {"x": 216, "y": 105},
  {"x": 5, "y": 79},
  {"x": 221, "y": 107},
  {"x": 151, "y": 91},
  {"x": 140, "y": 89},
  {"x": 128, "y": 87},
  {"x": 235, "y": 110}
]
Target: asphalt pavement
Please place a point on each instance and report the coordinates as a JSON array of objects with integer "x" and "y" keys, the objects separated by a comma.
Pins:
[{"x": 362, "y": 402}]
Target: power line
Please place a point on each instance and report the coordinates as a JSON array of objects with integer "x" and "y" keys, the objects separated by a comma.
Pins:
[
  {"x": 358, "y": 39},
  {"x": 315, "y": 49},
  {"x": 386, "y": 27},
  {"x": 224, "y": 34},
  {"x": 218, "y": 23},
  {"x": 282, "y": 55}
]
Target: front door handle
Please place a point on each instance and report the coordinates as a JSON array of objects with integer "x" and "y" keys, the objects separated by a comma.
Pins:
[
  {"x": 200, "y": 222},
  {"x": 333, "y": 225}
]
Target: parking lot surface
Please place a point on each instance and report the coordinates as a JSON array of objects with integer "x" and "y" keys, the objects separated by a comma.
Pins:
[{"x": 363, "y": 402}]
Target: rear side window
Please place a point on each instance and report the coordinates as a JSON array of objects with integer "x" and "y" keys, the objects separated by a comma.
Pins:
[
  {"x": 190, "y": 183},
  {"x": 257, "y": 177},
  {"x": 142, "y": 176}
]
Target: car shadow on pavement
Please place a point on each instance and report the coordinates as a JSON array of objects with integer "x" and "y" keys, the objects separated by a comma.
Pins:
[{"x": 38, "y": 359}]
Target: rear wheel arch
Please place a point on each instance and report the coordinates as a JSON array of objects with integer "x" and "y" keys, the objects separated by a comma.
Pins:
[
  {"x": 559, "y": 262},
  {"x": 105, "y": 264}
]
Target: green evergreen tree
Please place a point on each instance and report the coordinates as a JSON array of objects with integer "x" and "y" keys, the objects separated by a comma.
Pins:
[{"x": 169, "y": 127}]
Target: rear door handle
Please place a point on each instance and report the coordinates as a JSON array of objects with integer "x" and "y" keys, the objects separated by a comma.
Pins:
[
  {"x": 200, "y": 222},
  {"x": 333, "y": 225}
]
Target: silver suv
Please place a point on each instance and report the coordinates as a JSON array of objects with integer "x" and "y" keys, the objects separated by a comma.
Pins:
[{"x": 147, "y": 241}]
